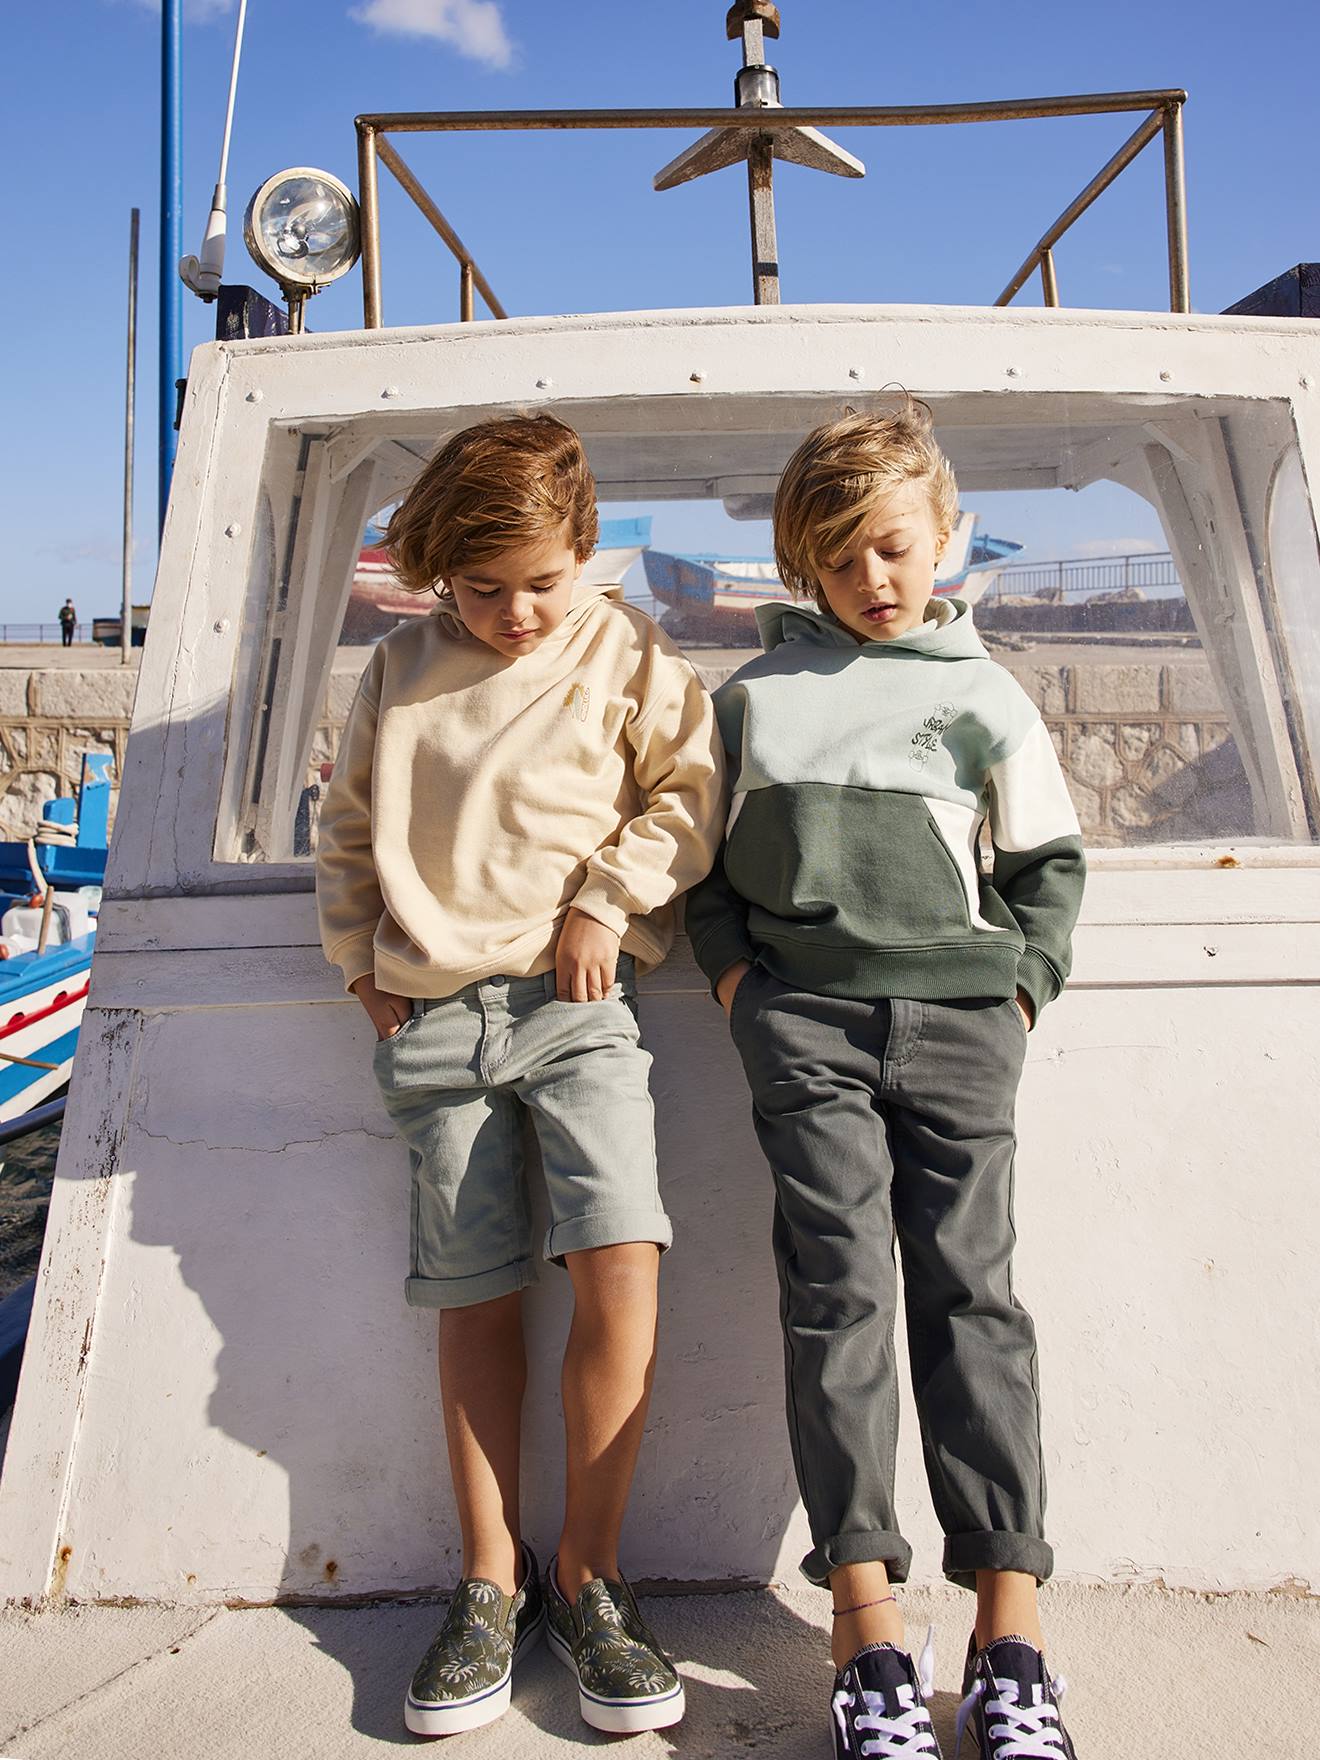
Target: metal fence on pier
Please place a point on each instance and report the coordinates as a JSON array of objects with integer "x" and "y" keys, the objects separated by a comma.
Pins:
[
  {"x": 31, "y": 635},
  {"x": 1149, "y": 571}
]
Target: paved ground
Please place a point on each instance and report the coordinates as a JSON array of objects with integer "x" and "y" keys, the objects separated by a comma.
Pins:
[
  {"x": 1153, "y": 1674},
  {"x": 81, "y": 657}
]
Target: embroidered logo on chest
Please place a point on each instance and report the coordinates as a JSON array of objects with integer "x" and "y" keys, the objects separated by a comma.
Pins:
[
  {"x": 926, "y": 740},
  {"x": 578, "y": 701}
]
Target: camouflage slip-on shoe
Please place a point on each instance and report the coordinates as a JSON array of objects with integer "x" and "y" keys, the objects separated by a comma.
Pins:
[
  {"x": 465, "y": 1678},
  {"x": 625, "y": 1681}
]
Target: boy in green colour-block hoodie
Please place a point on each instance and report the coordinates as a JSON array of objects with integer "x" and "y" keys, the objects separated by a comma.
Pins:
[{"x": 880, "y": 983}]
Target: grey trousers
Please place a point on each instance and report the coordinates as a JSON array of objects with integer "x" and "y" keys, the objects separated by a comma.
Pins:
[{"x": 882, "y": 1120}]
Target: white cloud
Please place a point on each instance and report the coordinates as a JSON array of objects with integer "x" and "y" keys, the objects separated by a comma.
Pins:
[
  {"x": 474, "y": 27},
  {"x": 1116, "y": 547},
  {"x": 90, "y": 549}
]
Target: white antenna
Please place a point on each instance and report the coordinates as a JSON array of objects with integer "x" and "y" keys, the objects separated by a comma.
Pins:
[{"x": 202, "y": 273}]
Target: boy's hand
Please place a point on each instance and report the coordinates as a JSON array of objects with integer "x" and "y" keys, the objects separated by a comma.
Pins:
[
  {"x": 585, "y": 958},
  {"x": 388, "y": 1012},
  {"x": 1027, "y": 1012},
  {"x": 729, "y": 981}
]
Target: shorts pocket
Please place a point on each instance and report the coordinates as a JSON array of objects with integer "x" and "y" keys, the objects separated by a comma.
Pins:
[{"x": 393, "y": 1038}]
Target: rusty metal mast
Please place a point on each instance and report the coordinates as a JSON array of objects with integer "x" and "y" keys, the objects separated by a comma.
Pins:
[{"x": 756, "y": 87}]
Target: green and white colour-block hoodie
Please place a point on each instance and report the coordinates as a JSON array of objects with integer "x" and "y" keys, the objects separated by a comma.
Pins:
[{"x": 862, "y": 776}]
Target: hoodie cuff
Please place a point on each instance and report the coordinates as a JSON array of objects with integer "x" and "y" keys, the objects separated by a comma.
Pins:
[
  {"x": 1039, "y": 979},
  {"x": 597, "y": 899},
  {"x": 722, "y": 947},
  {"x": 356, "y": 958}
]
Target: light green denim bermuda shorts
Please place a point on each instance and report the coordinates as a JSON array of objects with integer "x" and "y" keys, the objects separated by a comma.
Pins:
[{"x": 459, "y": 1079}]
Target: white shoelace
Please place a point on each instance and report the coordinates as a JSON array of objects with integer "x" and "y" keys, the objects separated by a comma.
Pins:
[
  {"x": 911, "y": 1733},
  {"x": 1019, "y": 1732}
]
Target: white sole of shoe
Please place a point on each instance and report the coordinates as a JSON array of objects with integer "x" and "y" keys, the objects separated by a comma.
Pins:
[
  {"x": 619, "y": 1717},
  {"x": 482, "y": 1708}
]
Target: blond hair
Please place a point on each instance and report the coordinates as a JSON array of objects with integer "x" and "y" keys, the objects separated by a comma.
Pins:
[
  {"x": 496, "y": 486},
  {"x": 840, "y": 473}
]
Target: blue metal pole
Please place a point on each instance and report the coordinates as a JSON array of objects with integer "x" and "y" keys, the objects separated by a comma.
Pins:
[{"x": 171, "y": 234}]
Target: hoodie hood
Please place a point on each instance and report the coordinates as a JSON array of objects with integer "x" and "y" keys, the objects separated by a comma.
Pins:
[
  {"x": 946, "y": 634},
  {"x": 586, "y": 595}
]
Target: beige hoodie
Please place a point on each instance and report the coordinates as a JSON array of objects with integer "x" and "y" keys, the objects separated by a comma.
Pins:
[{"x": 476, "y": 798}]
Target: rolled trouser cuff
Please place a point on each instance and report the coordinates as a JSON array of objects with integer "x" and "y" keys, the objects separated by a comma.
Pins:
[
  {"x": 466, "y": 1292},
  {"x": 965, "y": 1554},
  {"x": 607, "y": 1228},
  {"x": 880, "y": 1547}
]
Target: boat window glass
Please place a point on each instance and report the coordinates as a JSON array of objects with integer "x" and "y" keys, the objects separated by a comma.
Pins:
[
  {"x": 1294, "y": 571},
  {"x": 1146, "y": 568}
]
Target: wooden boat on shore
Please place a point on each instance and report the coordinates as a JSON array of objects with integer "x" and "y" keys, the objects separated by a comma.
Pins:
[
  {"x": 376, "y": 601},
  {"x": 46, "y": 949},
  {"x": 713, "y": 598}
]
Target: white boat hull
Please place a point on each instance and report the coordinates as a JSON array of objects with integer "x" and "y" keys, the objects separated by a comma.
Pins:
[{"x": 224, "y": 1397}]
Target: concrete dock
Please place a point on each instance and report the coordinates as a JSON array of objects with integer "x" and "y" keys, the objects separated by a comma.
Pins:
[{"x": 1152, "y": 1674}]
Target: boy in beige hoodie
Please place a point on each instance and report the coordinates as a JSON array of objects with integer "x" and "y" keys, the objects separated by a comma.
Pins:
[{"x": 527, "y": 781}]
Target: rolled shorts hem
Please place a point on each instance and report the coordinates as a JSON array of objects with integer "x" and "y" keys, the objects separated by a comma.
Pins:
[
  {"x": 881, "y": 1547},
  {"x": 466, "y": 1292},
  {"x": 607, "y": 1228},
  {"x": 965, "y": 1554}
]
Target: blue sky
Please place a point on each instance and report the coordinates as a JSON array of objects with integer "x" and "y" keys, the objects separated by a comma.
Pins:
[{"x": 561, "y": 225}]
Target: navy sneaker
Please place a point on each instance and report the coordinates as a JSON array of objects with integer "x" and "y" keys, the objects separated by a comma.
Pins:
[
  {"x": 879, "y": 1706},
  {"x": 1012, "y": 1704}
]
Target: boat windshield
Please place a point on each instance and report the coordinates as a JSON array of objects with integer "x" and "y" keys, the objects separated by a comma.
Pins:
[{"x": 1183, "y": 692}]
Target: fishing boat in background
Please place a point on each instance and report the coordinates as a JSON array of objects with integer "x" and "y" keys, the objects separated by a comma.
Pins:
[
  {"x": 50, "y": 895},
  {"x": 711, "y": 596},
  {"x": 377, "y": 602}
]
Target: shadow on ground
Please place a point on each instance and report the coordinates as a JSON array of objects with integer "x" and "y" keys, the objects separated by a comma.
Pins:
[{"x": 757, "y": 1677}]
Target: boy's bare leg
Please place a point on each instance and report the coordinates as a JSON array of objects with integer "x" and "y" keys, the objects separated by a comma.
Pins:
[
  {"x": 1006, "y": 1607},
  {"x": 483, "y": 1375},
  {"x": 851, "y": 1585},
  {"x": 608, "y": 1367}
]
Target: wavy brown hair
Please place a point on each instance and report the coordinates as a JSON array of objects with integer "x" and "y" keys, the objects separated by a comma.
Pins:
[
  {"x": 493, "y": 487},
  {"x": 840, "y": 473}
]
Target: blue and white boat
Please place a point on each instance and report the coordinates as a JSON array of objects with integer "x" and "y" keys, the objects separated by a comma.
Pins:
[
  {"x": 44, "y": 978},
  {"x": 716, "y": 596},
  {"x": 377, "y": 603}
]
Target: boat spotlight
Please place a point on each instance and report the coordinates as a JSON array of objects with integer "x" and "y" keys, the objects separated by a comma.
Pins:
[{"x": 302, "y": 228}]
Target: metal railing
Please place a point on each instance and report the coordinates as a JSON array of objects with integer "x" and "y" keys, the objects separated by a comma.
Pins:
[
  {"x": 1162, "y": 116},
  {"x": 33, "y": 634},
  {"x": 1081, "y": 577}
]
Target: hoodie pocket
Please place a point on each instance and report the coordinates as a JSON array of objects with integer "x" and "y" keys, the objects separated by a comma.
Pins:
[{"x": 846, "y": 867}]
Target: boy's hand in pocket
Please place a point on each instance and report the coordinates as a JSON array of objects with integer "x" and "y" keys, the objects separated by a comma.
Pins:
[
  {"x": 585, "y": 959},
  {"x": 388, "y": 1012},
  {"x": 729, "y": 982}
]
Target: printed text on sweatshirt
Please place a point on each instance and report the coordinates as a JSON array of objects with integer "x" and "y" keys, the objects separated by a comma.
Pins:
[
  {"x": 862, "y": 777},
  {"x": 475, "y": 799}
]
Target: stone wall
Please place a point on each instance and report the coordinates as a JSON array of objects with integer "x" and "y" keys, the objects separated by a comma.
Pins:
[
  {"x": 48, "y": 719},
  {"x": 1146, "y": 746}
]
